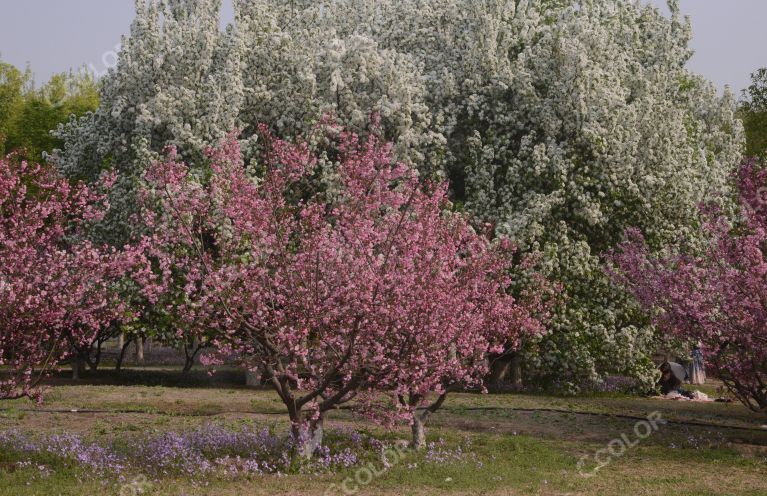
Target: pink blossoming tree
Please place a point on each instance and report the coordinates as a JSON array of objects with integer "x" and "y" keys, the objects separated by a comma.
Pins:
[
  {"x": 56, "y": 291},
  {"x": 338, "y": 281},
  {"x": 474, "y": 317},
  {"x": 716, "y": 295}
]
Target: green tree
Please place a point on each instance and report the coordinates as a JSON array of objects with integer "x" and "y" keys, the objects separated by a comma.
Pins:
[
  {"x": 29, "y": 114},
  {"x": 12, "y": 84},
  {"x": 753, "y": 113}
]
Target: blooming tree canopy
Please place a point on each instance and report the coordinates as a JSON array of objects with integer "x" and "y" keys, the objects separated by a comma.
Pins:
[
  {"x": 716, "y": 295},
  {"x": 357, "y": 281},
  {"x": 55, "y": 290}
]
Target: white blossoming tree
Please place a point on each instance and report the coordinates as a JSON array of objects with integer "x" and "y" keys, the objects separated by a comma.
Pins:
[
  {"x": 561, "y": 122},
  {"x": 177, "y": 81}
]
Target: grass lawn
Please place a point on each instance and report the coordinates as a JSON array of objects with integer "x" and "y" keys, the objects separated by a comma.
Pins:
[{"x": 512, "y": 444}]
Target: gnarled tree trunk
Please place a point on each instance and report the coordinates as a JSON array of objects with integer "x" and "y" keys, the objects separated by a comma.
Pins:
[{"x": 420, "y": 416}]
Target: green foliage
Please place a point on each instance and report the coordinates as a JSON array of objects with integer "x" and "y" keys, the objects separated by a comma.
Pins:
[
  {"x": 753, "y": 113},
  {"x": 12, "y": 83},
  {"x": 29, "y": 114}
]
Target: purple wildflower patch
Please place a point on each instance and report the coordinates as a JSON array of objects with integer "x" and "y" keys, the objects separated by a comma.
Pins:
[{"x": 210, "y": 451}]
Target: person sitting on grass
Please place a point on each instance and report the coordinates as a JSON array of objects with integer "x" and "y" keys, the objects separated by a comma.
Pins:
[{"x": 672, "y": 376}]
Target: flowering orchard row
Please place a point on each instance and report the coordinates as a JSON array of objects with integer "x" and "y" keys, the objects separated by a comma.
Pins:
[{"x": 350, "y": 282}]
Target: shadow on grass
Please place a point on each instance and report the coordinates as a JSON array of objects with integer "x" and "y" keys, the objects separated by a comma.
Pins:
[{"x": 151, "y": 376}]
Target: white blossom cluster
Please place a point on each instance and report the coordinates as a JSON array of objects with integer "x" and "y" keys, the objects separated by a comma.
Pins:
[{"x": 562, "y": 122}]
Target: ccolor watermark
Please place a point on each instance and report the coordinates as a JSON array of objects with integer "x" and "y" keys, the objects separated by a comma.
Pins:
[
  {"x": 109, "y": 61},
  {"x": 618, "y": 446},
  {"x": 363, "y": 476}
]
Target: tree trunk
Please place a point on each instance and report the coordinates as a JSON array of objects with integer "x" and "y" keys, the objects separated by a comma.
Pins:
[
  {"x": 419, "y": 419},
  {"x": 93, "y": 363},
  {"x": 139, "y": 350},
  {"x": 309, "y": 437},
  {"x": 121, "y": 357},
  {"x": 188, "y": 364},
  {"x": 419, "y": 432},
  {"x": 506, "y": 370},
  {"x": 500, "y": 366},
  {"x": 78, "y": 367},
  {"x": 189, "y": 358},
  {"x": 515, "y": 369}
]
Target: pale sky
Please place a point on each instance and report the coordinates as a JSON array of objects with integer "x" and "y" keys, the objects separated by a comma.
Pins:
[{"x": 730, "y": 40}]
